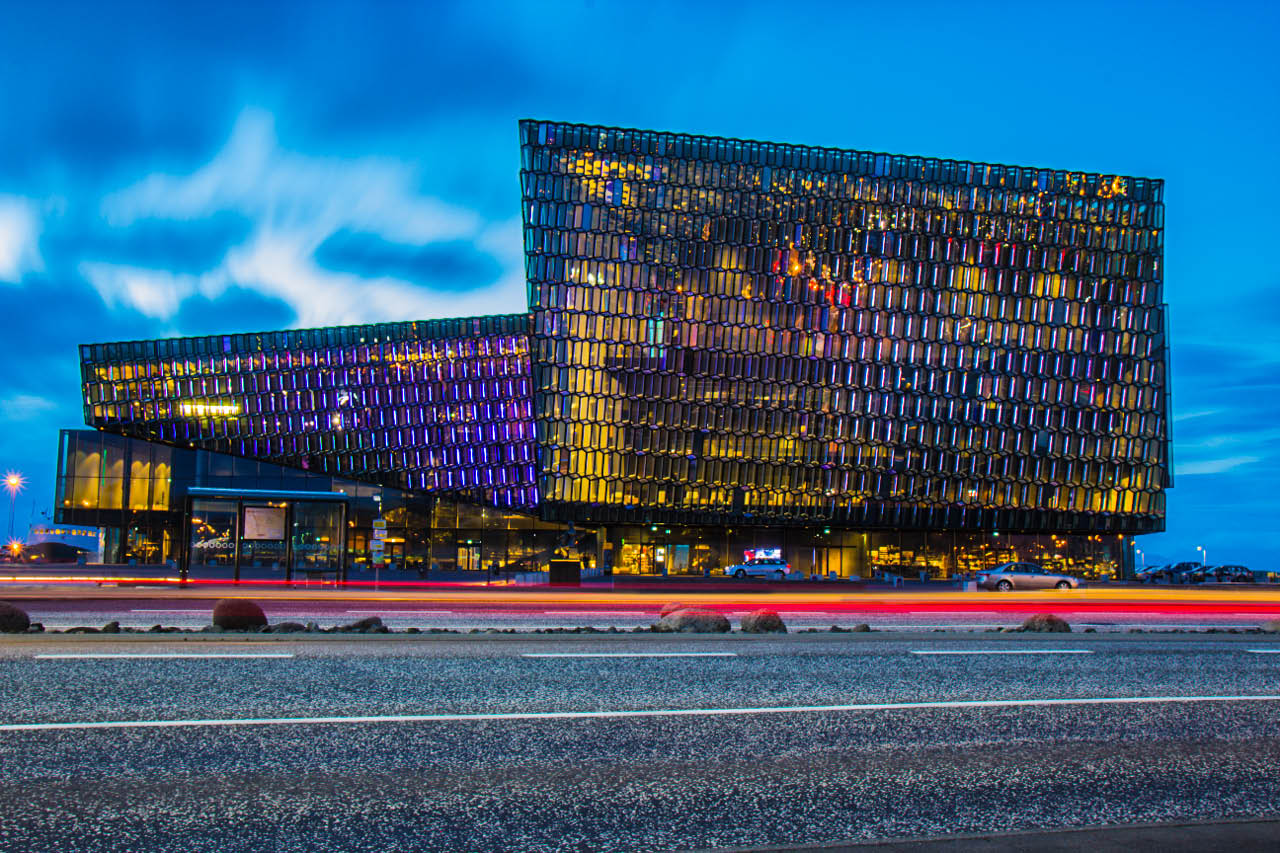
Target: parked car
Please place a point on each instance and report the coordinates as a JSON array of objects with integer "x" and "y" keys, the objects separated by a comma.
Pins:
[
  {"x": 1023, "y": 576},
  {"x": 774, "y": 568},
  {"x": 1220, "y": 574},
  {"x": 1151, "y": 574},
  {"x": 1238, "y": 574}
]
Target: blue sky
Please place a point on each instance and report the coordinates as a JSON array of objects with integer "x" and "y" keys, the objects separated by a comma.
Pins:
[{"x": 188, "y": 168}]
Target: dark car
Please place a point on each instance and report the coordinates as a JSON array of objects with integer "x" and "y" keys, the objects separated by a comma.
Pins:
[
  {"x": 1221, "y": 574},
  {"x": 1151, "y": 574}
]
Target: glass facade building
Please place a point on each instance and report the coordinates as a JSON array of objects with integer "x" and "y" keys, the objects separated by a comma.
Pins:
[{"x": 865, "y": 360}]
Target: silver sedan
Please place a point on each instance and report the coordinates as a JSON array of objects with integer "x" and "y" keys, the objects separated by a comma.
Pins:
[{"x": 1024, "y": 576}]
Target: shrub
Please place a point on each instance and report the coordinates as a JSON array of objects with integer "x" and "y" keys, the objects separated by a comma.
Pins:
[
  {"x": 1046, "y": 623},
  {"x": 238, "y": 614},
  {"x": 693, "y": 622},
  {"x": 763, "y": 622},
  {"x": 13, "y": 619}
]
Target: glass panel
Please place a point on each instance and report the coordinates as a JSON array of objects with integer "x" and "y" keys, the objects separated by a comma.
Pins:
[
  {"x": 317, "y": 536},
  {"x": 214, "y": 528}
]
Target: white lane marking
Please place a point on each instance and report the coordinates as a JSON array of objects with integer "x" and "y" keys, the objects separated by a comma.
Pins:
[
  {"x": 1263, "y": 651},
  {"x": 398, "y": 612},
  {"x": 664, "y": 712},
  {"x": 153, "y": 655},
  {"x": 205, "y": 610},
  {"x": 951, "y": 612},
  {"x": 1004, "y": 652},
  {"x": 637, "y": 614},
  {"x": 629, "y": 655}
]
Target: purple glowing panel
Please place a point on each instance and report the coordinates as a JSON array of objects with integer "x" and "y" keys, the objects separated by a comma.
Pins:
[{"x": 439, "y": 406}]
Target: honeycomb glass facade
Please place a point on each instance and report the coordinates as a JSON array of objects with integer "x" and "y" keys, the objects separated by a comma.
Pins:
[
  {"x": 732, "y": 332},
  {"x": 442, "y": 406},
  {"x": 864, "y": 361}
]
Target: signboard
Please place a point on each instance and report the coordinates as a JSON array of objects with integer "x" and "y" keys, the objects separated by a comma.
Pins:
[
  {"x": 379, "y": 524},
  {"x": 377, "y": 546},
  {"x": 763, "y": 554},
  {"x": 264, "y": 523},
  {"x": 379, "y": 533}
]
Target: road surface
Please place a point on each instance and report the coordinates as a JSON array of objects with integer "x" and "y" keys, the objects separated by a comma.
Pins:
[{"x": 650, "y": 742}]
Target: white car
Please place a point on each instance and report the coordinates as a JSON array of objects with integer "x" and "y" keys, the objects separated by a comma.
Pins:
[{"x": 774, "y": 568}]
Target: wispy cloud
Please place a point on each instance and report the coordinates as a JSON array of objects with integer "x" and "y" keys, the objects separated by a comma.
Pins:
[
  {"x": 295, "y": 203},
  {"x": 22, "y": 407},
  {"x": 1188, "y": 416},
  {"x": 1214, "y": 466},
  {"x": 19, "y": 238},
  {"x": 152, "y": 293}
]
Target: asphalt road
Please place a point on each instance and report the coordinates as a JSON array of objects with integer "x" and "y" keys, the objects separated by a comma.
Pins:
[{"x": 505, "y": 743}]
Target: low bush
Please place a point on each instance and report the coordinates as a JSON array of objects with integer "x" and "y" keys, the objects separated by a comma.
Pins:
[
  {"x": 238, "y": 614},
  {"x": 13, "y": 619}
]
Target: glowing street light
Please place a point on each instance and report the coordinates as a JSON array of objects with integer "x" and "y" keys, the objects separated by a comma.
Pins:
[
  {"x": 13, "y": 481},
  {"x": 1204, "y": 554}
]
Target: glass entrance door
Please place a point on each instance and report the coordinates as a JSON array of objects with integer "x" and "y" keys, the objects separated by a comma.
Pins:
[{"x": 469, "y": 558}]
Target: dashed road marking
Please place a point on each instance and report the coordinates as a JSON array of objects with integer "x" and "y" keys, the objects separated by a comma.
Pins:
[
  {"x": 205, "y": 610},
  {"x": 1003, "y": 652},
  {"x": 155, "y": 655},
  {"x": 629, "y": 655},
  {"x": 403, "y": 612}
]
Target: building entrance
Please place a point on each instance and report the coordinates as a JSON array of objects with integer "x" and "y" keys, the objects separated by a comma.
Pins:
[{"x": 262, "y": 535}]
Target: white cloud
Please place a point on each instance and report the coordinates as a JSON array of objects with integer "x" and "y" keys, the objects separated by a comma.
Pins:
[
  {"x": 285, "y": 192},
  {"x": 295, "y": 203},
  {"x": 153, "y": 293},
  {"x": 19, "y": 238},
  {"x": 1187, "y": 416},
  {"x": 1214, "y": 466},
  {"x": 22, "y": 407}
]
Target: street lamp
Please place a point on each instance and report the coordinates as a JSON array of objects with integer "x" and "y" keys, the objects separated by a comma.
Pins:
[
  {"x": 1141, "y": 556},
  {"x": 1204, "y": 554},
  {"x": 13, "y": 481}
]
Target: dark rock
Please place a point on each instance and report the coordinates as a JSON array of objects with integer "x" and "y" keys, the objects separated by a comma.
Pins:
[
  {"x": 156, "y": 629},
  {"x": 1046, "y": 623},
  {"x": 83, "y": 630},
  {"x": 1091, "y": 630},
  {"x": 111, "y": 628},
  {"x": 211, "y": 629},
  {"x": 671, "y": 607},
  {"x": 313, "y": 628},
  {"x": 763, "y": 621},
  {"x": 862, "y": 628},
  {"x": 1269, "y": 627},
  {"x": 13, "y": 619},
  {"x": 238, "y": 614},
  {"x": 288, "y": 627},
  {"x": 413, "y": 630},
  {"x": 693, "y": 622},
  {"x": 35, "y": 628},
  {"x": 368, "y": 623}
]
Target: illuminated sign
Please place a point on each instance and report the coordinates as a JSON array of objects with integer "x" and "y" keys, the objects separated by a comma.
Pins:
[
  {"x": 264, "y": 523},
  {"x": 764, "y": 554},
  {"x": 205, "y": 410}
]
